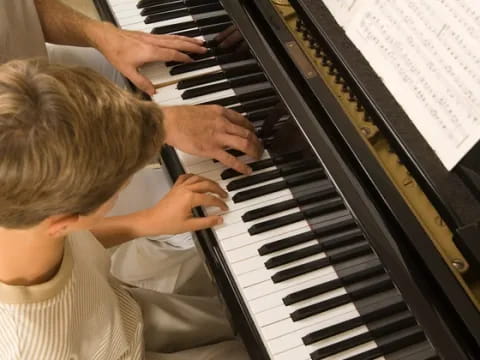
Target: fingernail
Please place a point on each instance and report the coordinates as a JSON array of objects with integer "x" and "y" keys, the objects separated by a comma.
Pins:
[{"x": 220, "y": 220}]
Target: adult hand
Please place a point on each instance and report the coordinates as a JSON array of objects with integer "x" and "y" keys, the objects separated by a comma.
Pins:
[
  {"x": 208, "y": 130},
  {"x": 173, "y": 214},
  {"x": 129, "y": 50}
]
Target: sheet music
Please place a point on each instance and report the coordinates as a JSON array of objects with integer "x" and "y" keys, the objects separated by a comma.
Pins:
[
  {"x": 343, "y": 10},
  {"x": 428, "y": 55}
]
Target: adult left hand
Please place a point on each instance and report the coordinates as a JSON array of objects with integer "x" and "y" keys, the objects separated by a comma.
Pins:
[{"x": 129, "y": 50}]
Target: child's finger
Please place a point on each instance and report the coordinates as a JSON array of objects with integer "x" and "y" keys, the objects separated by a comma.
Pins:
[
  {"x": 205, "y": 186},
  {"x": 207, "y": 200},
  {"x": 200, "y": 223}
]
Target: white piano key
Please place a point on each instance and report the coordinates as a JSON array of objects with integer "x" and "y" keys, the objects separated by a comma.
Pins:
[
  {"x": 159, "y": 75},
  {"x": 188, "y": 159}
]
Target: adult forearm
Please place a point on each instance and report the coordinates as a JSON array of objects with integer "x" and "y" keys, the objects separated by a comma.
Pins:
[{"x": 63, "y": 25}]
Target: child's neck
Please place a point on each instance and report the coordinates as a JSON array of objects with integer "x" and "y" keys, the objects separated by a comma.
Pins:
[{"x": 28, "y": 257}]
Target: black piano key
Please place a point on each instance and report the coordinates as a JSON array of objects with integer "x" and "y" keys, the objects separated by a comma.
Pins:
[
  {"x": 388, "y": 344},
  {"x": 252, "y": 180},
  {"x": 293, "y": 256},
  {"x": 204, "y": 63},
  {"x": 167, "y": 29},
  {"x": 144, "y": 3},
  {"x": 245, "y": 93},
  {"x": 328, "y": 205},
  {"x": 309, "y": 235},
  {"x": 244, "y": 67},
  {"x": 280, "y": 185},
  {"x": 358, "y": 250},
  {"x": 289, "y": 169},
  {"x": 174, "y": 5},
  {"x": 210, "y": 53},
  {"x": 259, "y": 191},
  {"x": 195, "y": 57},
  {"x": 204, "y": 30},
  {"x": 252, "y": 92},
  {"x": 212, "y": 44},
  {"x": 259, "y": 115},
  {"x": 183, "y": 12},
  {"x": 288, "y": 204},
  {"x": 421, "y": 350},
  {"x": 378, "y": 311},
  {"x": 384, "y": 327},
  {"x": 224, "y": 85},
  {"x": 200, "y": 80},
  {"x": 256, "y": 104},
  {"x": 358, "y": 275},
  {"x": 357, "y": 291},
  {"x": 307, "y": 251},
  {"x": 196, "y": 65}
]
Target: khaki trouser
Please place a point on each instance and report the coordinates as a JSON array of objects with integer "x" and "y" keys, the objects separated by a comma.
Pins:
[{"x": 190, "y": 323}]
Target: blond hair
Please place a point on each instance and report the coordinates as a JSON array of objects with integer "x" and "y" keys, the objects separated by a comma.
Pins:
[{"x": 69, "y": 139}]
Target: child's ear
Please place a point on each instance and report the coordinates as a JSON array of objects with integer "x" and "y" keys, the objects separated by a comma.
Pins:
[{"x": 61, "y": 225}]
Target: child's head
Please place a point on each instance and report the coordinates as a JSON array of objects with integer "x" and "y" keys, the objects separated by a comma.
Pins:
[{"x": 69, "y": 140}]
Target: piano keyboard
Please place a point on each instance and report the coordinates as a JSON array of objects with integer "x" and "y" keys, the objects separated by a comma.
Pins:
[{"x": 312, "y": 284}]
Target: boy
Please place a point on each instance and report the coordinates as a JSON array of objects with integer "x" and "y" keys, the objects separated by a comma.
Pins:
[{"x": 70, "y": 140}]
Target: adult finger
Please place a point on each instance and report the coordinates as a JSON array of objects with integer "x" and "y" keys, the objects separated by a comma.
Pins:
[
  {"x": 178, "y": 44},
  {"x": 140, "y": 81},
  {"x": 231, "y": 161},
  {"x": 200, "y": 223},
  {"x": 238, "y": 130},
  {"x": 162, "y": 54},
  {"x": 207, "y": 200},
  {"x": 175, "y": 37},
  {"x": 250, "y": 145},
  {"x": 208, "y": 186},
  {"x": 238, "y": 119}
]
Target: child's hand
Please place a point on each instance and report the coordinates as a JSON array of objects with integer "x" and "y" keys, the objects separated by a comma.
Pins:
[{"x": 173, "y": 214}]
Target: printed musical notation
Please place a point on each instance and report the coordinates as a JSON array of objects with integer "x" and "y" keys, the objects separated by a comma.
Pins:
[{"x": 428, "y": 55}]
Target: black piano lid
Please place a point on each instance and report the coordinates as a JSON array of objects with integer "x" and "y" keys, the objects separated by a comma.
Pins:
[
  {"x": 435, "y": 309},
  {"x": 455, "y": 194}
]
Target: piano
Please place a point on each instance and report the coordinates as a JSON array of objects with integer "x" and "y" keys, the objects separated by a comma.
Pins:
[{"x": 350, "y": 239}]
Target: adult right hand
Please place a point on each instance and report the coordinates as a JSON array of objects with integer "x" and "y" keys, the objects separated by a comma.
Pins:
[{"x": 208, "y": 130}]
